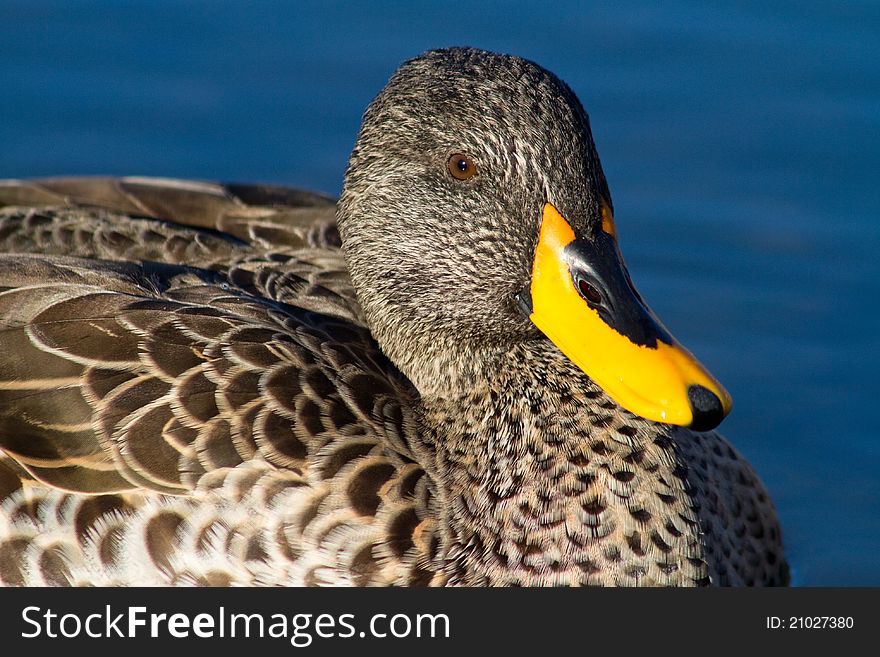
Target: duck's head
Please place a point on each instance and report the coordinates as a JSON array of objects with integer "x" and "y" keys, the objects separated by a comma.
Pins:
[{"x": 475, "y": 216}]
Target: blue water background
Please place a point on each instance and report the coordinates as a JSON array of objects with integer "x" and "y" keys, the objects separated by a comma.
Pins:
[{"x": 741, "y": 142}]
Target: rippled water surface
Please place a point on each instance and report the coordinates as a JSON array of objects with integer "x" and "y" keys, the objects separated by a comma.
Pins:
[{"x": 742, "y": 145}]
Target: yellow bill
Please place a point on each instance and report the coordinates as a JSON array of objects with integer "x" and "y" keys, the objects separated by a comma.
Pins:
[{"x": 583, "y": 300}]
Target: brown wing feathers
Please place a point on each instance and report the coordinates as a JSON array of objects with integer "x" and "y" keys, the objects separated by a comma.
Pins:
[
  {"x": 264, "y": 216},
  {"x": 239, "y": 384}
]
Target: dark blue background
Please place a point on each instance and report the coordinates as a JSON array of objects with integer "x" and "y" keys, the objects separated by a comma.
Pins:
[{"x": 741, "y": 143}]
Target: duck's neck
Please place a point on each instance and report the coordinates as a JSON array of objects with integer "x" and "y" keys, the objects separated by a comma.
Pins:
[{"x": 543, "y": 480}]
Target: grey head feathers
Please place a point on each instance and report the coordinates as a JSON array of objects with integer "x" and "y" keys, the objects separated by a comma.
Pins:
[{"x": 415, "y": 236}]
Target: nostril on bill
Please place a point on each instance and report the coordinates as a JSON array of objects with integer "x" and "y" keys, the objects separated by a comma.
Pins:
[{"x": 706, "y": 408}]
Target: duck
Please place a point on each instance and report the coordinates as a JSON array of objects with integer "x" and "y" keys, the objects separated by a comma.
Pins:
[{"x": 446, "y": 377}]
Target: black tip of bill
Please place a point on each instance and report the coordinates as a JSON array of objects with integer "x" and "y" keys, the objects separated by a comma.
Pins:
[{"x": 707, "y": 408}]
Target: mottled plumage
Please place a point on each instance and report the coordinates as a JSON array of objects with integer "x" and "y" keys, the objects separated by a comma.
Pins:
[{"x": 206, "y": 384}]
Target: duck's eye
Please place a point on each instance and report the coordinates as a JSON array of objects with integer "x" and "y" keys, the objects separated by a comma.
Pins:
[{"x": 461, "y": 166}]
